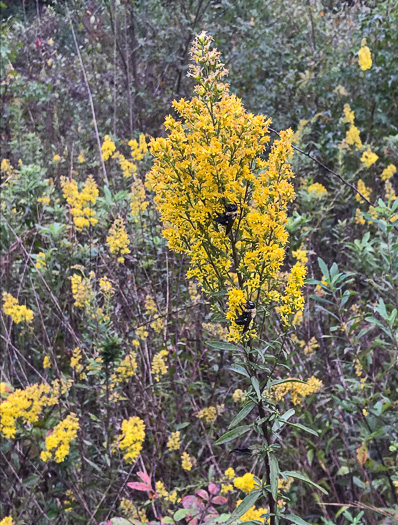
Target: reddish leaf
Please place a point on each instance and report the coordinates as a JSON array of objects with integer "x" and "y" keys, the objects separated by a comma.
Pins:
[
  {"x": 219, "y": 500},
  {"x": 213, "y": 489},
  {"x": 203, "y": 494},
  {"x": 189, "y": 501},
  {"x": 136, "y": 485},
  {"x": 145, "y": 478},
  {"x": 362, "y": 454}
]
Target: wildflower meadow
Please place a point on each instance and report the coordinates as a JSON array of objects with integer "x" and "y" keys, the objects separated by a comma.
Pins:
[{"x": 199, "y": 262}]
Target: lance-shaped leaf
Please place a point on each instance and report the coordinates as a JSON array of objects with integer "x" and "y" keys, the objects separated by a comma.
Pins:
[
  {"x": 245, "y": 505},
  {"x": 273, "y": 474},
  {"x": 232, "y": 434},
  {"x": 301, "y": 477},
  {"x": 295, "y": 519},
  {"x": 242, "y": 414}
]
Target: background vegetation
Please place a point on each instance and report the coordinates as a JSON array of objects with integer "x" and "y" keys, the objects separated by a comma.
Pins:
[{"x": 76, "y": 72}]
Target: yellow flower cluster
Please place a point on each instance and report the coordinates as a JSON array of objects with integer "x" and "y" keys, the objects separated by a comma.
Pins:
[
  {"x": 46, "y": 362},
  {"x": 130, "y": 511},
  {"x": 174, "y": 441},
  {"x": 297, "y": 391},
  {"x": 7, "y": 521},
  {"x": 317, "y": 189},
  {"x": 366, "y": 192},
  {"x": 301, "y": 255},
  {"x": 311, "y": 347},
  {"x": 152, "y": 310},
  {"x": 81, "y": 289},
  {"x": 364, "y": 58},
  {"x": 138, "y": 149},
  {"x": 293, "y": 299},
  {"x": 76, "y": 359},
  {"x": 390, "y": 192},
  {"x": 159, "y": 365},
  {"x": 131, "y": 439},
  {"x": 106, "y": 287},
  {"x": 56, "y": 158},
  {"x": 229, "y": 473},
  {"x": 164, "y": 494},
  {"x": 138, "y": 201},
  {"x": 108, "y": 147},
  {"x": 253, "y": 513},
  {"x": 41, "y": 261},
  {"x": 209, "y": 163},
  {"x": 18, "y": 312},
  {"x": 209, "y": 414},
  {"x": 126, "y": 368},
  {"x": 186, "y": 461},
  {"x": 28, "y": 405},
  {"x": 58, "y": 442},
  {"x": 238, "y": 396},
  {"x": 369, "y": 158},
  {"x": 245, "y": 483},
  {"x": 81, "y": 202},
  {"x": 349, "y": 115},
  {"x": 118, "y": 240},
  {"x": 353, "y": 137},
  {"x": 388, "y": 172}
]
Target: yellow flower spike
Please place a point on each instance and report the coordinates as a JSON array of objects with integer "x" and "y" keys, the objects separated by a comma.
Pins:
[
  {"x": 118, "y": 239},
  {"x": 58, "y": 442},
  {"x": 364, "y": 58},
  {"x": 19, "y": 313},
  {"x": 131, "y": 438},
  {"x": 369, "y": 158}
]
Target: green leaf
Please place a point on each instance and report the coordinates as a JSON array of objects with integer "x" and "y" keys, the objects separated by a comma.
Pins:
[
  {"x": 242, "y": 414},
  {"x": 239, "y": 369},
  {"x": 256, "y": 387},
  {"x": 301, "y": 477},
  {"x": 303, "y": 427},
  {"x": 295, "y": 519},
  {"x": 323, "y": 267},
  {"x": 232, "y": 434},
  {"x": 108, "y": 195},
  {"x": 281, "y": 381},
  {"x": 246, "y": 504},
  {"x": 273, "y": 474},
  {"x": 220, "y": 345},
  {"x": 181, "y": 513}
]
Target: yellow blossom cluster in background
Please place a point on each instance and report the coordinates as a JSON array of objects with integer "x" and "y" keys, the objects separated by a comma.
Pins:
[
  {"x": 41, "y": 261},
  {"x": 18, "y": 312},
  {"x": 388, "y": 172},
  {"x": 297, "y": 390},
  {"x": 7, "y": 521},
  {"x": 311, "y": 347},
  {"x": 138, "y": 151},
  {"x": 159, "y": 365},
  {"x": 186, "y": 461},
  {"x": 58, "y": 442},
  {"x": 126, "y": 368},
  {"x": 28, "y": 405},
  {"x": 364, "y": 57},
  {"x": 138, "y": 200},
  {"x": 238, "y": 396},
  {"x": 131, "y": 438},
  {"x": 82, "y": 289},
  {"x": 209, "y": 414},
  {"x": 81, "y": 202},
  {"x": 174, "y": 441},
  {"x": 130, "y": 511},
  {"x": 118, "y": 239},
  {"x": 369, "y": 158},
  {"x": 106, "y": 287},
  {"x": 161, "y": 491},
  {"x": 317, "y": 189},
  {"x": 46, "y": 362},
  {"x": 366, "y": 192}
]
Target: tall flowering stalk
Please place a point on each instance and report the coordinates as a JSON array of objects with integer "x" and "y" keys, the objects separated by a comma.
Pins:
[{"x": 223, "y": 197}]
